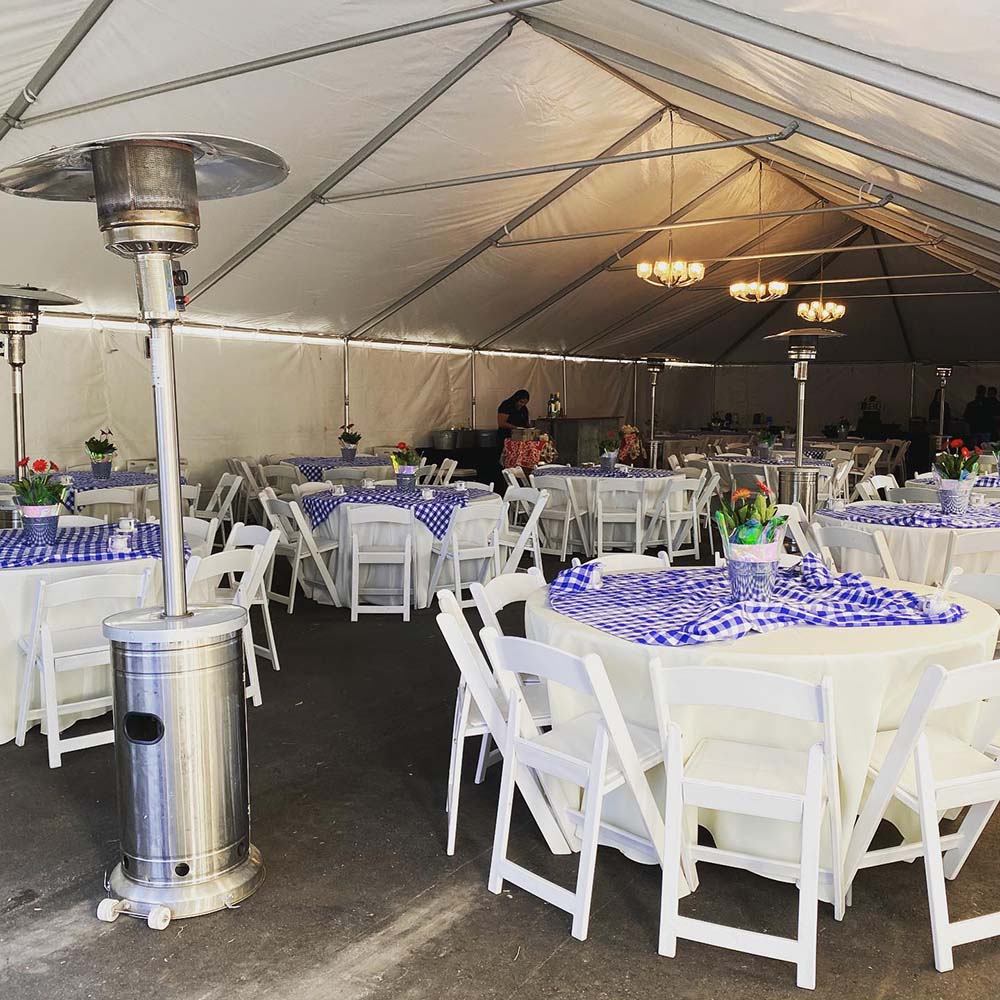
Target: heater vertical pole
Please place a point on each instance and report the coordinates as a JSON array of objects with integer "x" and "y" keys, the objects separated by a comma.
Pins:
[
  {"x": 15, "y": 357},
  {"x": 155, "y": 284},
  {"x": 941, "y": 413},
  {"x": 801, "y": 372},
  {"x": 654, "y": 457}
]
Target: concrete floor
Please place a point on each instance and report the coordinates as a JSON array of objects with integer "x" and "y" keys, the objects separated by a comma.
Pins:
[{"x": 349, "y": 755}]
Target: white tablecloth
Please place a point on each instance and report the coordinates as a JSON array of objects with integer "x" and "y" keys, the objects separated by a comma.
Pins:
[
  {"x": 874, "y": 671},
  {"x": 918, "y": 553},
  {"x": 339, "y": 561}
]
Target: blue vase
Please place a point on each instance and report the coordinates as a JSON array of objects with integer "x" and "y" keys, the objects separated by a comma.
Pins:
[
  {"x": 39, "y": 529},
  {"x": 406, "y": 480}
]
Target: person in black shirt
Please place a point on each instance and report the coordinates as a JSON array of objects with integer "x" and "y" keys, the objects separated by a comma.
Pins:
[
  {"x": 513, "y": 412},
  {"x": 977, "y": 416}
]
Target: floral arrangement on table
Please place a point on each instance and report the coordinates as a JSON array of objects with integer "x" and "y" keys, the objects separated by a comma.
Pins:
[
  {"x": 348, "y": 439},
  {"x": 39, "y": 498},
  {"x": 955, "y": 471},
  {"x": 548, "y": 452},
  {"x": 102, "y": 451},
  {"x": 405, "y": 461},
  {"x": 752, "y": 535},
  {"x": 630, "y": 447},
  {"x": 609, "y": 449}
]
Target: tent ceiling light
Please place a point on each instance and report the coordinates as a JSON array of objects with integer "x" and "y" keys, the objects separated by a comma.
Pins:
[{"x": 820, "y": 312}]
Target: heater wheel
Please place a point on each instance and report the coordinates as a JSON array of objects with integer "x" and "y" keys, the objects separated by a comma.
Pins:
[
  {"x": 159, "y": 918},
  {"x": 109, "y": 910}
]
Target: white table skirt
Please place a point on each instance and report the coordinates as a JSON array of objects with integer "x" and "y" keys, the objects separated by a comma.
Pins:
[
  {"x": 874, "y": 671},
  {"x": 918, "y": 553},
  {"x": 375, "y": 576}
]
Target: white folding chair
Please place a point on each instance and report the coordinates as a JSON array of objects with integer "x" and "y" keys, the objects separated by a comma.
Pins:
[
  {"x": 563, "y": 518},
  {"x": 425, "y": 474},
  {"x": 513, "y": 541},
  {"x": 208, "y": 571},
  {"x": 678, "y": 512},
  {"x": 866, "y": 491},
  {"x": 620, "y": 501},
  {"x": 247, "y": 536},
  {"x": 364, "y": 522},
  {"x": 300, "y": 490},
  {"x": 220, "y": 503},
  {"x": 280, "y": 478},
  {"x": 983, "y": 586},
  {"x": 80, "y": 521},
  {"x": 873, "y": 543},
  {"x": 471, "y": 539},
  {"x": 629, "y": 562},
  {"x": 925, "y": 768},
  {"x": 793, "y": 786},
  {"x": 67, "y": 635},
  {"x": 798, "y": 526},
  {"x": 137, "y": 464},
  {"x": 898, "y": 463},
  {"x": 883, "y": 482},
  {"x": 121, "y": 501},
  {"x": 481, "y": 711},
  {"x": 674, "y": 462},
  {"x": 514, "y": 476},
  {"x": 200, "y": 535},
  {"x": 866, "y": 459},
  {"x": 836, "y": 487},
  {"x": 447, "y": 470},
  {"x": 911, "y": 494},
  {"x": 597, "y": 751}
]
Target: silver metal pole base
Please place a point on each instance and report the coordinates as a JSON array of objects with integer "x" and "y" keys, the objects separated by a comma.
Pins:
[
  {"x": 158, "y": 905},
  {"x": 797, "y": 484}
]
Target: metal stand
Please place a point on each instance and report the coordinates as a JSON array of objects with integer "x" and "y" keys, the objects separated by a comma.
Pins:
[
  {"x": 654, "y": 368},
  {"x": 940, "y": 444}
]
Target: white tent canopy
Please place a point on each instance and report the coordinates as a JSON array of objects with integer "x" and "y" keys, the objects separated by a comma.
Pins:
[{"x": 896, "y": 100}]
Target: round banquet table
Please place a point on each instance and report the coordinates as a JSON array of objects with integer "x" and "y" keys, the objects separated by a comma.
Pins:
[
  {"x": 874, "y": 671},
  {"x": 361, "y": 466},
  {"x": 918, "y": 552},
  {"x": 987, "y": 486}
]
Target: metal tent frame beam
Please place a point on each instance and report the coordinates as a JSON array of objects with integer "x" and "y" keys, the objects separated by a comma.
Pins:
[
  {"x": 860, "y": 206},
  {"x": 970, "y": 186},
  {"x": 11, "y": 118},
  {"x": 553, "y": 168},
  {"x": 284, "y": 58},
  {"x": 600, "y": 268},
  {"x": 490, "y": 241},
  {"x": 476, "y": 56},
  {"x": 903, "y": 81}
]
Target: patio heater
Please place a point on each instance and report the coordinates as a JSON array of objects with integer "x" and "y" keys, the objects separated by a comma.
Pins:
[
  {"x": 797, "y": 483},
  {"x": 19, "y": 305},
  {"x": 943, "y": 374},
  {"x": 179, "y": 704},
  {"x": 654, "y": 366}
]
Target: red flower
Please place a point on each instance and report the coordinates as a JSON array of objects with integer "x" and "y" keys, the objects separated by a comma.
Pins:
[
  {"x": 764, "y": 489},
  {"x": 956, "y": 443},
  {"x": 964, "y": 453},
  {"x": 53, "y": 466},
  {"x": 24, "y": 461},
  {"x": 401, "y": 446},
  {"x": 39, "y": 465}
]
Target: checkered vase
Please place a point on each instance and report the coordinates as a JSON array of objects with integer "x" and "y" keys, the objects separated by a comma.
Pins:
[
  {"x": 406, "y": 480},
  {"x": 39, "y": 530},
  {"x": 956, "y": 500},
  {"x": 750, "y": 581}
]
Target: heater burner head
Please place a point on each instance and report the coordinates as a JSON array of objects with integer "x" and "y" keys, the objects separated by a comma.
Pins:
[
  {"x": 804, "y": 342},
  {"x": 147, "y": 187},
  {"x": 19, "y": 306}
]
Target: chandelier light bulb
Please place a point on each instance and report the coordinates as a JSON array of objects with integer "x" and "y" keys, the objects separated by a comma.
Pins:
[
  {"x": 758, "y": 291},
  {"x": 821, "y": 312}
]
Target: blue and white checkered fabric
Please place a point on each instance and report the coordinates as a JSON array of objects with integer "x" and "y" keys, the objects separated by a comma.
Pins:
[
  {"x": 916, "y": 515},
  {"x": 600, "y": 473},
  {"x": 79, "y": 545},
  {"x": 818, "y": 462},
  {"x": 686, "y": 607},
  {"x": 577, "y": 579},
  {"x": 987, "y": 482},
  {"x": 88, "y": 481},
  {"x": 312, "y": 468},
  {"x": 435, "y": 514}
]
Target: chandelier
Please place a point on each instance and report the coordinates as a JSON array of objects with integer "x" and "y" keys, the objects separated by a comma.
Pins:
[
  {"x": 821, "y": 311},
  {"x": 759, "y": 290},
  {"x": 670, "y": 273}
]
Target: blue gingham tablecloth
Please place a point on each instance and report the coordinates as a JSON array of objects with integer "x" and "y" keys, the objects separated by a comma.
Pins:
[
  {"x": 818, "y": 462},
  {"x": 79, "y": 545},
  {"x": 987, "y": 482},
  {"x": 599, "y": 473},
  {"x": 435, "y": 514},
  {"x": 83, "y": 481},
  {"x": 685, "y": 607},
  {"x": 915, "y": 515},
  {"x": 312, "y": 468}
]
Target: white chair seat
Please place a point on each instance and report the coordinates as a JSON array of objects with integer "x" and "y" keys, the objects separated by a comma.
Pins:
[
  {"x": 953, "y": 758},
  {"x": 536, "y": 696},
  {"x": 85, "y": 639},
  {"x": 576, "y": 739},
  {"x": 749, "y": 765},
  {"x": 983, "y": 587}
]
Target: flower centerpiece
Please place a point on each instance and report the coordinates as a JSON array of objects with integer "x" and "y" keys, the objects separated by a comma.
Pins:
[
  {"x": 609, "y": 450},
  {"x": 630, "y": 448},
  {"x": 765, "y": 442},
  {"x": 348, "y": 439},
  {"x": 405, "y": 461},
  {"x": 102, "y": 451},
  {"x": 39, "y": 498},
  {"x": 752, "y": 534},
  {"x": 955, "y": 471}
]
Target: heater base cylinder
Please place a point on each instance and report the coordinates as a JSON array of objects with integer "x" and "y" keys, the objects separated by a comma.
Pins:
[
  {"x": 181, "y": 761},
  {"x": 797, "y": 484}
]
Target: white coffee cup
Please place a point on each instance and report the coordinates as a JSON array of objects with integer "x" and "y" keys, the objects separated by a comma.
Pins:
[
  {"x": 338, "y": 490},
  {"x": 427, "y": 494},
  {"x": 119, "y": 542},
  {"x": 368, "y": 483},
  {"x": 460, "y": 486},
  {"x": 126, "y": 524}
]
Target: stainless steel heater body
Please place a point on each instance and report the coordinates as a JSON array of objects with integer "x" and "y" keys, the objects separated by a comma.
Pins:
[
  {"x": 939, "y": 445},
  {"x": 799, "y": 483},
  {"x": 179, "y": 690},
  {"x": 654, "y": 366}
]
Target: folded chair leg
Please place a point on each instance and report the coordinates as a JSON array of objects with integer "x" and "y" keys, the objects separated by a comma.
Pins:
[{"x": 484, "y": 757}]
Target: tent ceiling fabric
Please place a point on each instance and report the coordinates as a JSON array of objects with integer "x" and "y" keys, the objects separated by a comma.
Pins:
[{"x": 535, "y": 95}]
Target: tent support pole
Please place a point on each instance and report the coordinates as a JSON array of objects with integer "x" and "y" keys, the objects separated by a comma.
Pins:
[
  {"x": 11, "y": 118},
  {"x": 623, "y": 251},
  {"x": 472, "y": 373},
  {"x": 635, "y": 393},
  {"x": 913, "y": 376},
  {"x": 284, "y": 58},
  {"x": 971, "y": 186},
  {"x": 562, "y": 411},
  {"x": 966, "y": 102},
  {"x": 490, "y": 241},
  {"x": 347, "y": 382},
  {"x": 353, "y": 162}
]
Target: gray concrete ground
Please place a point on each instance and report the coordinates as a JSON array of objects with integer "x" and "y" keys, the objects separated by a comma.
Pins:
[{"x": 349, "y": 755}]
